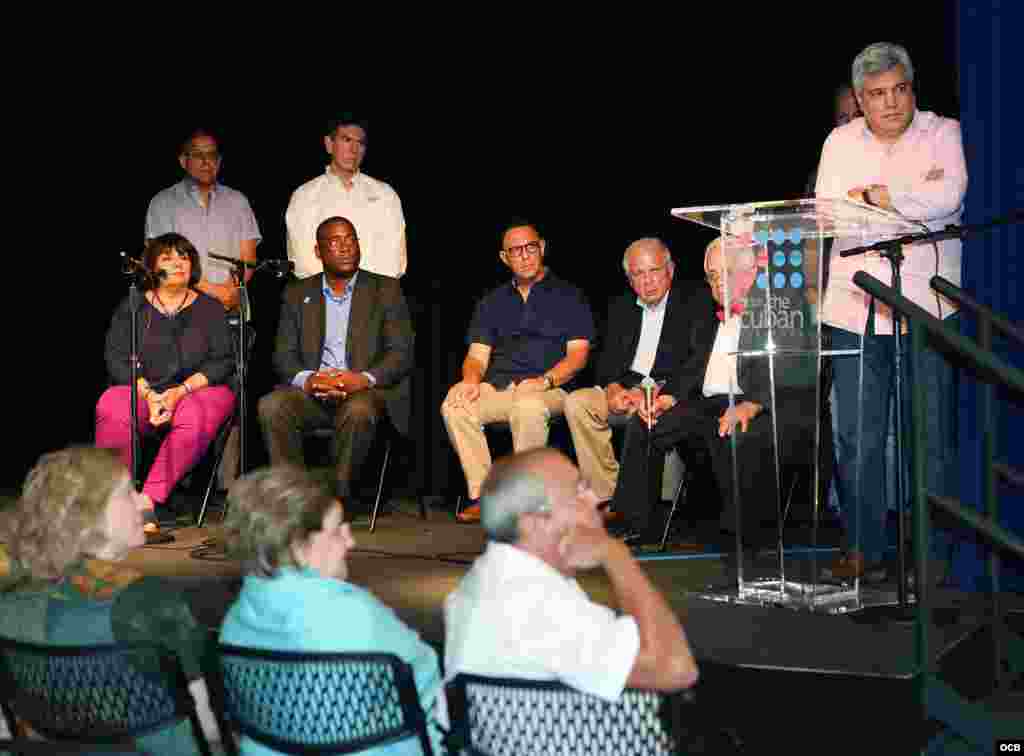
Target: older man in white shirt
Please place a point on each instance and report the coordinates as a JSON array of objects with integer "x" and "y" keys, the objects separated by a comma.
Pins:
[
  {"x": 372, "y": 206},
  {"x": 519, "y": 612}
]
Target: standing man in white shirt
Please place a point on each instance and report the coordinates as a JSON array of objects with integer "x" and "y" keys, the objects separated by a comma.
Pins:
[
  {"x": 910, "y": 162},
  {"x": 343, "y": 190}
]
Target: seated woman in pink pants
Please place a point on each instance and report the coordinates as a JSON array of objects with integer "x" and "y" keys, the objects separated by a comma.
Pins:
[{"x": 185, "y": 361}]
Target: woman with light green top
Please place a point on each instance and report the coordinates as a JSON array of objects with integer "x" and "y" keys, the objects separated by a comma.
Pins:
[{"x": 291, "y": 536}]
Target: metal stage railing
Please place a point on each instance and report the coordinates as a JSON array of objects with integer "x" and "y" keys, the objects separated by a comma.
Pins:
[{"x": 938, "y": 700}]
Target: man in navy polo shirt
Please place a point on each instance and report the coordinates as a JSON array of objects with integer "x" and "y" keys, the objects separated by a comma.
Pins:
[{"x": 527, "y": 341}]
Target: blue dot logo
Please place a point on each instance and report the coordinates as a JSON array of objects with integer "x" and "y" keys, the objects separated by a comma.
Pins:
[
  {"x": 762, "y": 280},
  {"x": 796, "y": 257},
  {"x": 796, "y": 235},
  {"x": 779, "y": 236},
  {"x": 796, "y": 280},
  {"x": 779, "y": 281},
  {"x": 779, "y": 259}
]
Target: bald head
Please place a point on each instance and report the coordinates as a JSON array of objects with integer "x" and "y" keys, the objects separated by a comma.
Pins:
[{"x": 517, "y": 485}]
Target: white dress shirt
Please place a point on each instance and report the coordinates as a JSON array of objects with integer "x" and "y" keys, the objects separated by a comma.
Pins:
[
  {"x": 374, "y": 209},
  {"x": 721, "y": 375},
  {"x": 650, "y": 335},
  {"x": 513, "y": 615}
]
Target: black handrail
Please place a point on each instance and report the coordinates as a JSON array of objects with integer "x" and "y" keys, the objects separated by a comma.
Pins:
[
  {"x": 1008, "y": 375},
  {"x": 1002, "y": 324},
  {"x": 991, "y": 370}
]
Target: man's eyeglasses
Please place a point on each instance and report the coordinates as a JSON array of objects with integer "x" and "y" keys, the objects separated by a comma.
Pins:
[
  {"x": 337, "y": 242},
  {"x": 523, "y": 250},
  {"x": 213, "y": 157}
]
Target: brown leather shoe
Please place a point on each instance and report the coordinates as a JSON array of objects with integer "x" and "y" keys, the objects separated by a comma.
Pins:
[
  {"x": 610, "y": 515},
  {"x": 470, "y": 514},
  {"x": 850, "y": 566}
]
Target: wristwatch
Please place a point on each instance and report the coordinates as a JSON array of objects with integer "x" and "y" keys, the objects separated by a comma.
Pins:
[{"x": 548, "y": 383}]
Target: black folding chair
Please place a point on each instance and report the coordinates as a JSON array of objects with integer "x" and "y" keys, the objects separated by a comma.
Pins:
[
  {"x": 321, "y": 703},
  {"x": 107, "y": 694},
  {"x": 494, "y": 716}
]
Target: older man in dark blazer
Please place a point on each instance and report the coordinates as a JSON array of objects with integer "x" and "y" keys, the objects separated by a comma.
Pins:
[
  {"x": 646, "y": 335},
  {"x": 696, "y": 412},
  {"x": 345, "y": 349}
]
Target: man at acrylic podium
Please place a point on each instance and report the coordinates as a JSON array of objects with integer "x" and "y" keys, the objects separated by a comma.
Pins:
[
  {"x": 214, "y": 217},
  {"x": 911, "y": 162},
  {"x": 344, "y": 190}
]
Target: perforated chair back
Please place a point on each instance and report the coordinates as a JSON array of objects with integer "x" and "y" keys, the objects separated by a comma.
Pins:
[
  {"x": 96, "y": 694},
  {"x": 320, "y": 702},
  {"x": 493, "y": 716}
]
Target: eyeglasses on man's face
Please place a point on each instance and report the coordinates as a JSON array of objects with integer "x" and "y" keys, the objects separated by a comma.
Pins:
[{"x": 523, "y": 251}]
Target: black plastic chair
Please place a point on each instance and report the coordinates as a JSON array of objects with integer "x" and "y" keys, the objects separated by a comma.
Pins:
[
  {"x": 304, "y": 703},
  {"x": 107, "y": 694},
  {"x": 493, "y": 716},
  {"x": 28, "y": 747},
  {"x": 390, "y": 435}
]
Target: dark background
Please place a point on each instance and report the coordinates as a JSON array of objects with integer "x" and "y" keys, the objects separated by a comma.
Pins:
[{"x": 595, "y": 136}]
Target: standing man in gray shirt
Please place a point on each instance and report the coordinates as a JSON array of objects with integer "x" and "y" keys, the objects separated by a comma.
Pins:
[{"x": 215, "y": 218}]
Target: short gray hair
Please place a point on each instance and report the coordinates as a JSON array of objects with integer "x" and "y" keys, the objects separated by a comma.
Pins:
[
  {"x": 648, "y": 243},
  {"x": 879, "y": 58},
  {"x": 269, "y": 510},
  {"x": 513, "y": 488}
]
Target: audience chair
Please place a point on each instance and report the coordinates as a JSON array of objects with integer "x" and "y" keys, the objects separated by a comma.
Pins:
[
  {"x": 28, "y": 747},
  {"x": 494, "y": 716},
  {"x": 107, "y": 694},
  {"x": 305, "y": 703}
]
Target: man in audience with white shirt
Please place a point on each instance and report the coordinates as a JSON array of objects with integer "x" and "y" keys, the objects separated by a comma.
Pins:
[{"x": 519, "y": 612}]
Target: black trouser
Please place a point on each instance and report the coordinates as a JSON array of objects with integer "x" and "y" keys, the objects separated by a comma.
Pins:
[{"x": 692, "y": 425}]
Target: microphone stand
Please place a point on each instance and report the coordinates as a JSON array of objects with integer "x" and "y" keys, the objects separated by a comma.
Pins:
[
  {"x": 135, "y": 271},
  {"x": 241, "y": 353},
  {"x": 892, "y": 250}
]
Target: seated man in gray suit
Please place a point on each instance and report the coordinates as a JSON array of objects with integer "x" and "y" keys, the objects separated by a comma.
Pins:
[{"x": 345, "y": 348}]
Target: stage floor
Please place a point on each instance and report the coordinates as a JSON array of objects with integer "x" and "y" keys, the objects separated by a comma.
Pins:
[{"x": 412, "y": 564}]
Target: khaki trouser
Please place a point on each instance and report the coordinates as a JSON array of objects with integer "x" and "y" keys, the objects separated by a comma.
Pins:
[
  {"x": 586, "y": 412},
  {"x": 528, "y": 416}
]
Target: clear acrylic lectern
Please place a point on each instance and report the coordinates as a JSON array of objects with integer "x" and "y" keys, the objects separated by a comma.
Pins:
[{"x": 774, "y": 286}]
